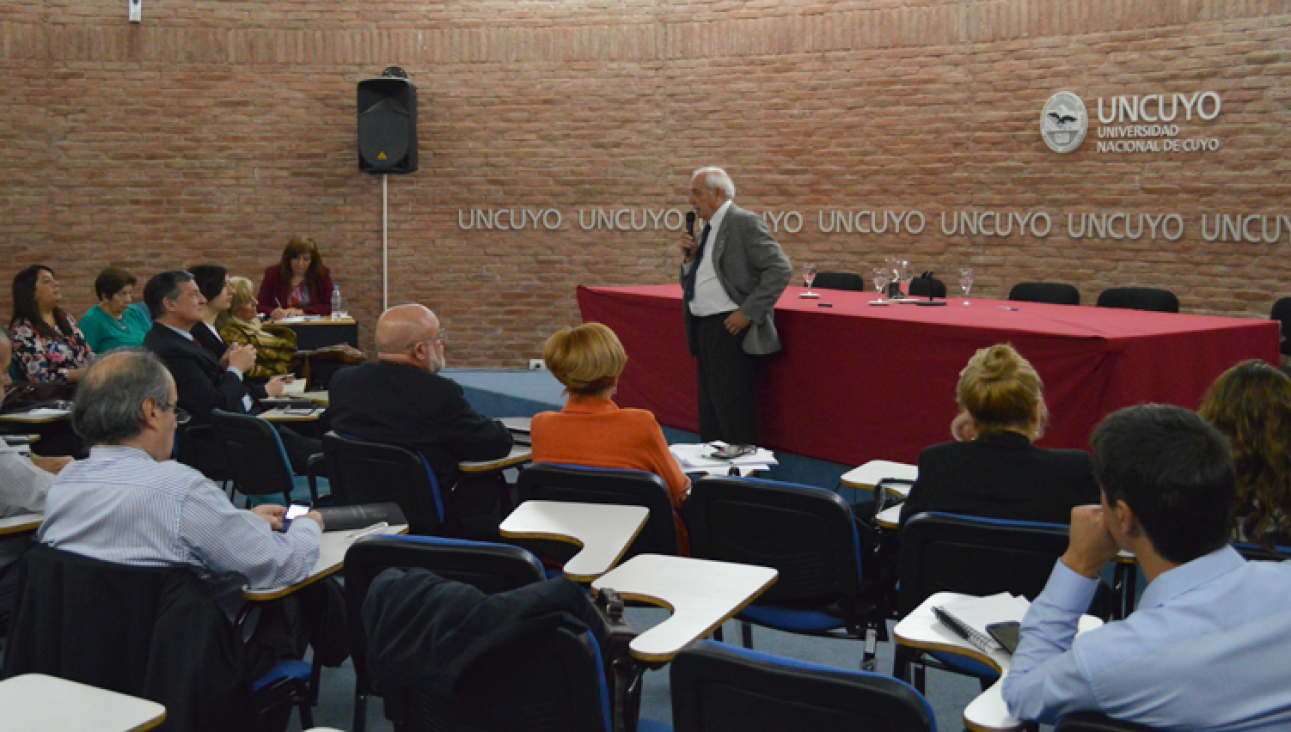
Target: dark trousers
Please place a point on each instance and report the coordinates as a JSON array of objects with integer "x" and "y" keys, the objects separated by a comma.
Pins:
[{"x": 727, "y": 388}]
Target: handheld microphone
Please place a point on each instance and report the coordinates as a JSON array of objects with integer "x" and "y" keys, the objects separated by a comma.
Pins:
[{"x": 690, "y": 223}]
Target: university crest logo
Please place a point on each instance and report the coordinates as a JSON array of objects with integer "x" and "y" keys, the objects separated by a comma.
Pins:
[{"x": 1064, "y": 122}]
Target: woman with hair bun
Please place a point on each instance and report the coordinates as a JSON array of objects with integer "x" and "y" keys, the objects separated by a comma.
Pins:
[
  {"x": 1251, "y": 404},
  {"x": 992, "y": 469},
  {"x": 591, "y": 430}
]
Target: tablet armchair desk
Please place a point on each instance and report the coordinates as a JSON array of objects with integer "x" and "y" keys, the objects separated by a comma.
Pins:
[
  {"x": 604, "y": 531},
  {"x": 921, "y": 629},
  {"x": 40, "y": 703},
  {"x": 21, "y": 523}
]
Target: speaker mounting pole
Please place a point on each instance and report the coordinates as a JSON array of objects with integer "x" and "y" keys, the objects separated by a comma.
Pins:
[{"x": 385, "y": 252}]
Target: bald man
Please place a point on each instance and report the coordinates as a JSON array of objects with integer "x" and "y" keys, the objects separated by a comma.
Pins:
[{"x": 402, "y": 400}]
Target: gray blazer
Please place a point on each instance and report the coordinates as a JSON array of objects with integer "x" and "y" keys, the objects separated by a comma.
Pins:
[{"x": 754, "y": 271}]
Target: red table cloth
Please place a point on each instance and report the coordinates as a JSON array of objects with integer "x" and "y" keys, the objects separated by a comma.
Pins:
[{"x": 857, "y": 382}]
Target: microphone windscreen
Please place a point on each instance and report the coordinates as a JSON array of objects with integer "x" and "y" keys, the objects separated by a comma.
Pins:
[{"x": 690, "y": 223}]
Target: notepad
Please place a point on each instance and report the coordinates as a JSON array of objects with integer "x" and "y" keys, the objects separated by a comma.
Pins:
[
  {"x": 969, "y": 618},
  {"x": 294, "y": 387}
]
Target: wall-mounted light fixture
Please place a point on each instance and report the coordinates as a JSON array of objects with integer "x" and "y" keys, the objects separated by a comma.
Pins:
[{"x": 136, "y": 10}]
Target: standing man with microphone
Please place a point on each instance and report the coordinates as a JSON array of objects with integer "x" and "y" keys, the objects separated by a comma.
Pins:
[{"x": 731, "y": 277}]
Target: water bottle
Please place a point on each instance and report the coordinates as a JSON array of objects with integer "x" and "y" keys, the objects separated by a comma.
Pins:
[{"x": 337, "y": 303}]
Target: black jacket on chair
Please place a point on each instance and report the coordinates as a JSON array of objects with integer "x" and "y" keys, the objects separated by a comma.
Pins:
[
  {"x": 425, "y": 631},
  {"x": 151, "y": 633},
  {"x": 1002, "y": 475}
]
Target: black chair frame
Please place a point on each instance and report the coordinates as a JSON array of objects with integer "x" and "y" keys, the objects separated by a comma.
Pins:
[
  {"x": 720, "y": 688},
  {"x": 971, "y": 555},
  {"x": 1139, "y": 298},
  {"x": 371, "y": 472},
  {"x": 1054, "y": 293},
  {"x": 489, "y": 567},
  {"x": 551, "y": 482},
  {"x": 809, "y": 536}
]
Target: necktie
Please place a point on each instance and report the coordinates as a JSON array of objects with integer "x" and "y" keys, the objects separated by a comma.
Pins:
[{"x": 694, "y": 266}]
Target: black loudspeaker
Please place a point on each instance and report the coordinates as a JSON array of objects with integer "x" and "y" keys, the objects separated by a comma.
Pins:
[{"x": 387, "y": 126}]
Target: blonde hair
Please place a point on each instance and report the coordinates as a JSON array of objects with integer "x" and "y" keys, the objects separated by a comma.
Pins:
[
  {"x": 587, "y": 360},
  {"x": 1000, "y": 390},
  {"x": 243, "y": 292}
]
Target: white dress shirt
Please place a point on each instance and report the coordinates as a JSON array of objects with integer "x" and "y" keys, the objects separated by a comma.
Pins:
[{"x": 710, "y": 297}]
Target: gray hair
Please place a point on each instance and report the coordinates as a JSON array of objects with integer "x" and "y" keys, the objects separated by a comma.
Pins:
[
  {"x": 109, "y": 400},
  {"x": 715, "y": 178},
  {"x": 162, "y": 286}
]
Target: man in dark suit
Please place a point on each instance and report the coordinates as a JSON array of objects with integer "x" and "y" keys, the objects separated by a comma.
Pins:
[
  {"x": 732, "y": 277},
  {"x": 402, "y": 400},
  {"x": 206, "y": 381}
]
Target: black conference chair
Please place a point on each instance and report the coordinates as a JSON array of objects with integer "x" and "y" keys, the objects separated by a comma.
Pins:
[
  {"x": 489, "y": 567},
  {"x": 721, "y": 688},
  {"x": 1139, "y": 298},
  {"x": 808, "y": 535},
  {"x": 919, "y": 287},
  {"x": 154, "y": 633},
  {"x": 1257, "y": 552},
  {"x": 1094, "y": 722},
  {"x": 975, "y": 556},
  {"x": 1055, "y": 293},
  {"x": 258, "y": 462},
  {"x": 1282, "y": 313},
  {"x": 839, "y": 281},
  {"x": 370, "y": 472},
  {"x": 550, "y": 482}
]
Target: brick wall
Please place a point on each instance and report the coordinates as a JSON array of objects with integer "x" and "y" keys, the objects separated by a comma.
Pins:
[{"x": 215, "y": 131}]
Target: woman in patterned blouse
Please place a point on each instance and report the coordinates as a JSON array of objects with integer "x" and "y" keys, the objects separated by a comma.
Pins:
[{"x": 47, "y": 345}]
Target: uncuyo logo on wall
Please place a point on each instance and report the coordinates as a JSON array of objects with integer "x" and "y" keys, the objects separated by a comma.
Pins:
[{"x": 1064, "y": 122}]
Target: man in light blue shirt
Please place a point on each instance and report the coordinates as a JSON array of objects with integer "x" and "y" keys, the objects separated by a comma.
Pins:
[
  {"x": 130, "y": 503},
  {"x": 1207, "y": 647}
]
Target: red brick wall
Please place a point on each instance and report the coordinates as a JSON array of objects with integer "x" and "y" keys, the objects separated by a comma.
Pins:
[{"x": 217, "y": 130}]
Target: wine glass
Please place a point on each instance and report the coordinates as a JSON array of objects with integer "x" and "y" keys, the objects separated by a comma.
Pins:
[
  {"x": 901, "y": 273},
  {"x": 966, "y": 281},
  {"x": 809, "y": 276},
  {"x": 882, "y": 277}
]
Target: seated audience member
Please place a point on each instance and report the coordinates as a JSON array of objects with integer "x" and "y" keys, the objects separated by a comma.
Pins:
[
  {"x": 207, "y": 381},
  {"x": 591, "y": 430},
  {"x": 275, "y": 344},
  {"x": 214, "y": 284},
  {"x": 24, "y": 483},
  {"x": 402, "y": 400},
  {"x": 48, "y": 347},
  {"x": 1251, "y": 405},
  {"x": 993, "y": 470},
  {"x": 299, "y": 284},
  {"x": 129, "y": 503},
  {"x": 1206, "y": 648},
  {"x": 113, "y": 323}
]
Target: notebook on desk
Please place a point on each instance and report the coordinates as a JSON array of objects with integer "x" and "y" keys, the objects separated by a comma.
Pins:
[
  {"x": 289, "y": 403},
  {"x": 970, "y": 619},
  {"x": 348, "y": 518}
]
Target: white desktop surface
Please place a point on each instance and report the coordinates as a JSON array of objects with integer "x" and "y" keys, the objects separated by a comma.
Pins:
[
  {"x": 868, "y": 475},
  {"x": 519, "y": 454},
  {"x": 702, "y": 594},
  {"x": 331, "y": 558},
  {"x": 20, "y": 523},
  {"x": 39, "y": 703},
  {"x": 603, "y": 531}
]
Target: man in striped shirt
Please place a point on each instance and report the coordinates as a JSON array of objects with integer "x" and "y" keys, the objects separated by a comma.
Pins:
[{"x": 130, "y": 503}]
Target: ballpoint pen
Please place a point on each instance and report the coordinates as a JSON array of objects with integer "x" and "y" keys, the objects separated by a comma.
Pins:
[{"x": 1005, "y": 307}]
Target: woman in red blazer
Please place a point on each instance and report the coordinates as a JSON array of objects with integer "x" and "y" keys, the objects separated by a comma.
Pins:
[{"x": 298, "y": 285}]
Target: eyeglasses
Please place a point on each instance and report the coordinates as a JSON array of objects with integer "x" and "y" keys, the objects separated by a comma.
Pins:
[
  {"x": 442, "y": 338},
  {"x": 181, "y": 416}
]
